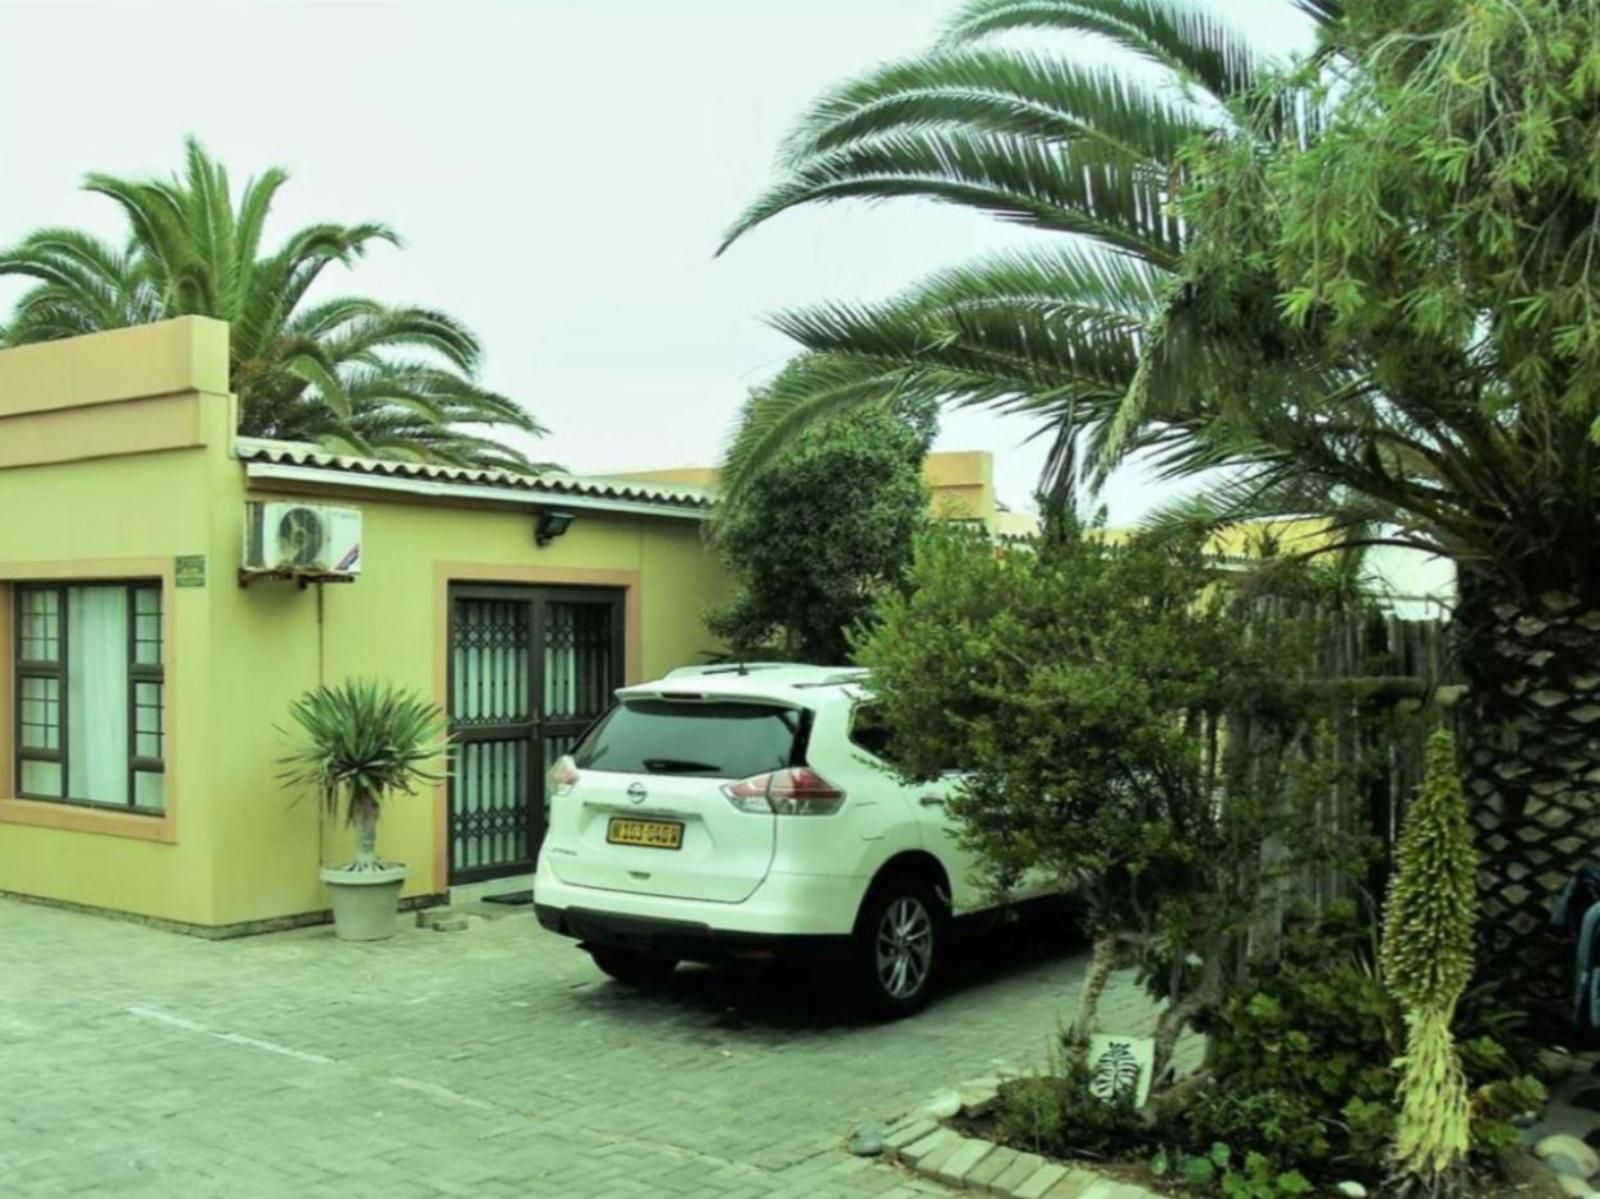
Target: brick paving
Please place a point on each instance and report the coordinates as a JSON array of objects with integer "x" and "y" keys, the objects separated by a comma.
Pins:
[{"x": 493, "y": 1061}]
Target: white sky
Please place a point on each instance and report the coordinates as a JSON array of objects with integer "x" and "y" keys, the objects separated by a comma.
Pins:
[{"x": 560, "y": 173}]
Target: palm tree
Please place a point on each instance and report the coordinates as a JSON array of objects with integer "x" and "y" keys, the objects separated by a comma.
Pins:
[
  {"x": 349, "y": 373},
  {"x": 1112, "y": 343},
  {"x": 1033, "y": 139}
]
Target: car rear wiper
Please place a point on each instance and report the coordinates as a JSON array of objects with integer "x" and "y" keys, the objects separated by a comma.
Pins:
[{"x": 677, "y": 766}]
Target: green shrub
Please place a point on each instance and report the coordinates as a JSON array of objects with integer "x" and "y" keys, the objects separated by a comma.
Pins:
[
  {"x": 1301, "y": 1055},
  {"x": 814, "y": 538},
  {"x": 1251, "y": 1177},
  {"x": 1494, "y": 1105},
  {"x": 1302, "y": 1069},
  {"x": 1056, "y": 1115}
]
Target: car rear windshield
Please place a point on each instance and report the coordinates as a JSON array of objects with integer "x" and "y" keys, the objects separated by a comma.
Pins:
[{"x": 705, "y": 740}]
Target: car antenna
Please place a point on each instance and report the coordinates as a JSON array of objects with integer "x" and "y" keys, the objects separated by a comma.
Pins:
[{"x": 744, "y": 671}]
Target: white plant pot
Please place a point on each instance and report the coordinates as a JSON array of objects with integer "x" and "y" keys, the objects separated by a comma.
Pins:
[{"x": 364, "y": 901}]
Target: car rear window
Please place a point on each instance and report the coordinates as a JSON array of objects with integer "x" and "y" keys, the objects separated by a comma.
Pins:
[{"x": 704, "y": 740}]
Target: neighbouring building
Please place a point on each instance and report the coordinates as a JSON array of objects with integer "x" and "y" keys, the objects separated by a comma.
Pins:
[
  {"x": 960, "y": 487},
  {"x": 145, "y": 682}
]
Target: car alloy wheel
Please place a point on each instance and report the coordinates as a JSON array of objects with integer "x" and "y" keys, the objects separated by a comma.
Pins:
[{"x": 904, "y": 948}]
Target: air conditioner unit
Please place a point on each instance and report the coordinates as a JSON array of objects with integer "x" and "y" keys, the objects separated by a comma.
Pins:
[{"x": 302, "y": 539}]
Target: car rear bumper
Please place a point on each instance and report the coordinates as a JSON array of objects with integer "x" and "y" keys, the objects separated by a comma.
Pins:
[
  {"x": 792, "y": 911},
  {"x": 684, "y": 940}
]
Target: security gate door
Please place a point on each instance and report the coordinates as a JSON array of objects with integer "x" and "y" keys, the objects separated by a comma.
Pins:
[{"x": 530, "y": 669}]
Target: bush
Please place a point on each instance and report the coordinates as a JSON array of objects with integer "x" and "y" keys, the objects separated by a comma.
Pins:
[
  {"x": 822, "y": 531},
  {"x": 1302, "y": 1069},
  {"x": 1058, "y": 1116},
  {"x": 1081, "y": 687},
  {"x": 1301, "y": 1055},
  {"x": 1300, "y": 1086}
]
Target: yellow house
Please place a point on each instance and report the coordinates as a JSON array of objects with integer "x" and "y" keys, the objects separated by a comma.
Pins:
[
  {"x": 960, "y": 487},
  {"x": 145, "y": 680}
]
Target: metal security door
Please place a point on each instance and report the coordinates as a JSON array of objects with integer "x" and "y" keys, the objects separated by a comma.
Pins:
[
  {"x": 580, "y": 632},
  {"x": 530, "y": 669}
]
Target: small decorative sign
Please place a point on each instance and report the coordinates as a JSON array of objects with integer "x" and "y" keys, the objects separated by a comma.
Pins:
[
  {"x": 189, "y": 570},
  {"x": 1119, "y": 1068}
]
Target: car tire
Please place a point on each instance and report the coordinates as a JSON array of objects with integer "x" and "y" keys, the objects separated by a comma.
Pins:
[
  {"x": 632, "y": 967},
  {"x": 897, "y": 947}
]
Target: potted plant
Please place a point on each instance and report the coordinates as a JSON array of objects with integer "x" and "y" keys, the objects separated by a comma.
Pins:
[{"x": 365, "y": 741}]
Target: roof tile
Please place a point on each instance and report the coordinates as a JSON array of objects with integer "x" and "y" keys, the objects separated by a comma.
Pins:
[{"x": 294, "y": 453}]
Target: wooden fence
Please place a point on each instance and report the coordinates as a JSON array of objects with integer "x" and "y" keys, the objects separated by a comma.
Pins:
[{"x": 1388, "y": 683}]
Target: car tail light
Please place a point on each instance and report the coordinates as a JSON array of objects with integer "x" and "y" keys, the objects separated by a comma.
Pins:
[
  {"x": 798, "y": 791},
  {"x": 562, "y": 778}
]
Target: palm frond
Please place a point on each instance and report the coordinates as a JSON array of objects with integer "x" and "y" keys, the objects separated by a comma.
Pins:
[
  {"x": 1077, "y": 188},
  {"x": 1188, "y": 39},
  {"x": 1026, "y": 95},
  {"x": 1323, "y": 12},
  {"x": 811, "y": 388}
]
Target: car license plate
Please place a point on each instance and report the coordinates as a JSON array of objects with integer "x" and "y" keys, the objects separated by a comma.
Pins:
[{"x": 652, "y": 834}]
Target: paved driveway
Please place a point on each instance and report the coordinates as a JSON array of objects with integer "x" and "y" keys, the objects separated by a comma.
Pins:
[{"x": 494, "y": 1061}]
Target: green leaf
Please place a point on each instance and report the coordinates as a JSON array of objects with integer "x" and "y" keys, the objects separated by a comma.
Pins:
[
  {"x": 1199, "y": 1171},
  {"x": 1292, "y": 1182}
]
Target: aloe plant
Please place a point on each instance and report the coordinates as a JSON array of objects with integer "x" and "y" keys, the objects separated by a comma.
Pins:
[{"x": 364, "y": 741}]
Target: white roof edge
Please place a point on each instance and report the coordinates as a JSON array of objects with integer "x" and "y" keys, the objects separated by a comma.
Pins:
[
  {"x": 322, "y": 476},
  {"x": 307, "y": 454}
]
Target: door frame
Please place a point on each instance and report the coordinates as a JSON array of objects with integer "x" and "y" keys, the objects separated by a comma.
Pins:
[{"x": 448, "y": 574}]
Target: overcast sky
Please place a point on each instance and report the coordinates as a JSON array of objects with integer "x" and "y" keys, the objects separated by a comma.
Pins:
[{"x": 560, "y": 173}]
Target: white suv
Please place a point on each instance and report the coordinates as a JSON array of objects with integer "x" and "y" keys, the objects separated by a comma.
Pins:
[{"x": 744, "y": 813}]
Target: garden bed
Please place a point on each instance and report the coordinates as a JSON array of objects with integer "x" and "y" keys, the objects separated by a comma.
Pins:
[{"x": 972, "y": 1151}]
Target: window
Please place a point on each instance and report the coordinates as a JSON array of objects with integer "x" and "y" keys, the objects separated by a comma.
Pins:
[
  {"x": 91, "y": 723},
  {"x": 868, "y": 732},
  {"x": 705, "y": 740}
]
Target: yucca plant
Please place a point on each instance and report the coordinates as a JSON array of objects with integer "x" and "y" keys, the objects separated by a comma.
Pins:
[{"x": 364, "y": 741}]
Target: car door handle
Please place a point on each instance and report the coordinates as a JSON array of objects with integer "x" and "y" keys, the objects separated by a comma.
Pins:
[{"x": 932, "y": 801}]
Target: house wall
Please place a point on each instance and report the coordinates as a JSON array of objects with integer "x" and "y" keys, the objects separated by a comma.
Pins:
[
  {"x": 77, "y": 503},
  {"x": 235, "y": 847},
  {"x": 392, "y": 624}
]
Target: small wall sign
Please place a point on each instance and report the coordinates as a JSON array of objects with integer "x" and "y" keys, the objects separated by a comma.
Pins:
[{"x": 189, "y": 570}]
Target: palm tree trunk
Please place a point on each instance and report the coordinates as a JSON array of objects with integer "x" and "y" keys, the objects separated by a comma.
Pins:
[
  {"x": 364, "y": 815},
  {"x": 1532, "y": 772}
]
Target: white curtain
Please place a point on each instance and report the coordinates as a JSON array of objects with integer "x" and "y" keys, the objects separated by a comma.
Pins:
[{"x": 97, "y": 694}]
